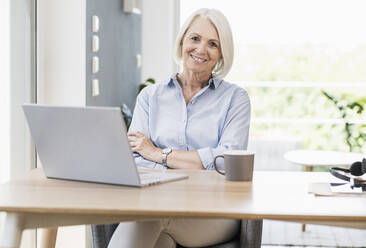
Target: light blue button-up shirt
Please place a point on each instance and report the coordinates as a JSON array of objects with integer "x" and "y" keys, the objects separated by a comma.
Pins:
[{"x": 216, "y": 119}]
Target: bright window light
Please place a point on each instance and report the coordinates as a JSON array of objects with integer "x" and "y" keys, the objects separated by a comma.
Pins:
[{"x": 290, "y": 21}]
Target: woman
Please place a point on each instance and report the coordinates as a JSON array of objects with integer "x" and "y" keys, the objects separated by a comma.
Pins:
[{"x": 184, "y": 123}]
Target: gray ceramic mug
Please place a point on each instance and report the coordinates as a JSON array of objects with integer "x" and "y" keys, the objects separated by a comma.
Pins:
[{"x": 238, "y": 164}]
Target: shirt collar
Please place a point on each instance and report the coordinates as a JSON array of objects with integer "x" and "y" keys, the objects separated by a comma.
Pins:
[
  {"x": 213, "y": 82},
  {"x": 173, "y": 80}
]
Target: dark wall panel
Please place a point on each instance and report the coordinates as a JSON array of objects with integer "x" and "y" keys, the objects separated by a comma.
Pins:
[{"x": 120, "y": 41}]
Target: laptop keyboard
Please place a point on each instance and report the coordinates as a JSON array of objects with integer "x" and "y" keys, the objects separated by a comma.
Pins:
[{"x": 155, "y": 177}]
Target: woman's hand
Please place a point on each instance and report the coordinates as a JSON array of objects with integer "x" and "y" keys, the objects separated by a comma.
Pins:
[{"x": 141, "y": 144}]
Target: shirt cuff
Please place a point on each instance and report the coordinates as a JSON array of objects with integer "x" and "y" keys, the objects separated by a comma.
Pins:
[
  {"x": 160, "y": 166},
  {"x": 141, "y": 162},
  {"x": 206, "y": 158}
]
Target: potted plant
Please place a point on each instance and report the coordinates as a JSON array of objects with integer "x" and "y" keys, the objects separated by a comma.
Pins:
[{"x": 355, "y": 133}]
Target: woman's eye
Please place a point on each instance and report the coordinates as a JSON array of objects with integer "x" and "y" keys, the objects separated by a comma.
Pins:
[
  {"x": 195, "y": 38},
  {"x": 213, "y": 44}
]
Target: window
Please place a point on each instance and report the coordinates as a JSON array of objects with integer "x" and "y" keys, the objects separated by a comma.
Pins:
[{"x": 286, "y": 54}]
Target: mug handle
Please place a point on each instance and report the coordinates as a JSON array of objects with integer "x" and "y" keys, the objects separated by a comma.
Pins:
[{"x": 214, "y": 162}]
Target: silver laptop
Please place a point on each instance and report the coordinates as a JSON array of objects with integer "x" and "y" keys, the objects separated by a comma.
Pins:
[{"x": 87, "y": 144}]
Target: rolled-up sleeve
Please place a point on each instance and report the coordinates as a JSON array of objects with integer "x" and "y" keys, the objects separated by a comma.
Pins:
[{"x": 235, "y": 132}]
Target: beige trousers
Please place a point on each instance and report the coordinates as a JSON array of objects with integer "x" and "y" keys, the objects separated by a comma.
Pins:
[{"x": 166, "y": 233}]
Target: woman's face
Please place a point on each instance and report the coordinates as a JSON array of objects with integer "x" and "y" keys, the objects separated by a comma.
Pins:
[{"x": 201, "y": 47}]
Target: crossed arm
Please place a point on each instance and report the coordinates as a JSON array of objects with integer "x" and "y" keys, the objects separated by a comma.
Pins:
[
  {"x": 233, "y": 135},
  {"x": 176, "y": 160}
]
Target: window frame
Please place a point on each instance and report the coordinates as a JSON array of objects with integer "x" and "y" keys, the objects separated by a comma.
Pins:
[{"x": 22, "y": 88}]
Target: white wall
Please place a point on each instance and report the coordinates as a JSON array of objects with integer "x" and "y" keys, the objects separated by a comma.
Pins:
[
  {"x": 21, "y": 149},
  {"x": 61, "y": 71},
  {"x": 4, "y": 92},
  {"x": 21, "y": 158},
  {"x": 61, "y": 52},
  {"x": 4, "y": 96},
  {"x": 160, "y": 24}
]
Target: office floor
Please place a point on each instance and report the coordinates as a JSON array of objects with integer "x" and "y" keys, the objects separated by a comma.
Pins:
[{"x": 278, "y": 234}]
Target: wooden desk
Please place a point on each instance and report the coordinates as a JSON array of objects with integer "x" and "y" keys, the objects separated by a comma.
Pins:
[{"x": 34, "y": 201}]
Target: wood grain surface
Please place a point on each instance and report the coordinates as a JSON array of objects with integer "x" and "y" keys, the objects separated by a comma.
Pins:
[{"x": 271, "y": 195}]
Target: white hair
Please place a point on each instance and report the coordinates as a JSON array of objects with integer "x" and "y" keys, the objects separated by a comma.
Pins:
[{"x": 222, "y": 25}]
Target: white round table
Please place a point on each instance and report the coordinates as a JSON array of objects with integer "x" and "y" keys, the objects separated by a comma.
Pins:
[{"x": 311, "y": 158}]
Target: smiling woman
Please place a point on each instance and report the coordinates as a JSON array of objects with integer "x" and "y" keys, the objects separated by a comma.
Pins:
[
  {"x": 218, "y": 32},
  {"x": 183, "y": 123},
  {"x": 201, "y": 53},
  {"x": 201, "y": 37}
]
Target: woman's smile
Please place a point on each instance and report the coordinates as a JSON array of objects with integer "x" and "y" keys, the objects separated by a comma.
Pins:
[{"x": 197, "y": 59}]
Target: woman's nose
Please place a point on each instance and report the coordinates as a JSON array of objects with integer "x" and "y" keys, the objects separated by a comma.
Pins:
[{"x": 201, "y": 48}]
